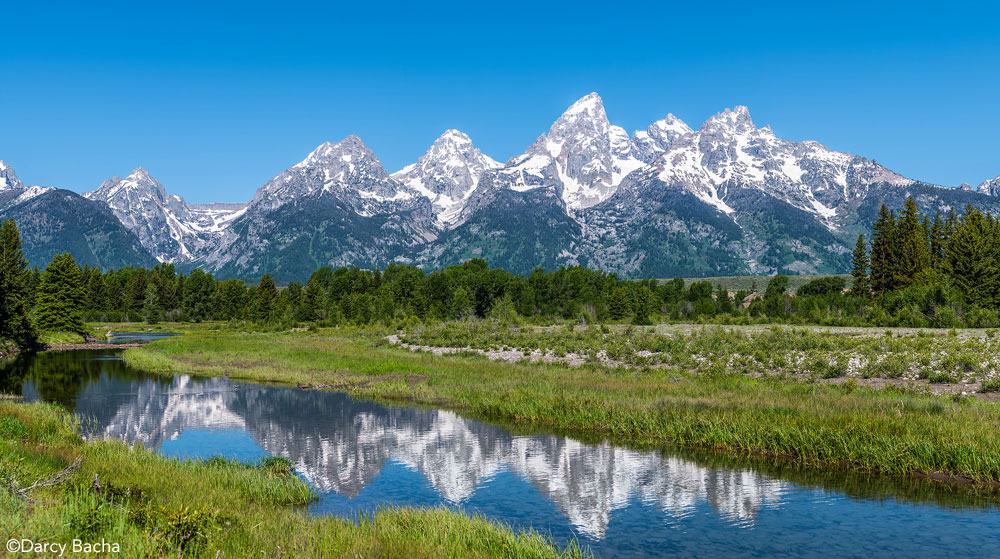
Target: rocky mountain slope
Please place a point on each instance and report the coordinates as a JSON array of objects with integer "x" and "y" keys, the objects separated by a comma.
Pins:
[
  {"x": 168, "y": 227},
  {"x": 726, "y": 198},
  {"x": 53, "y": 221}
]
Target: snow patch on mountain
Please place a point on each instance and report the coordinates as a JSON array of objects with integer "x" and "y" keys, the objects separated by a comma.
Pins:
[
  {"x": 447, "y": 174},
  {"x": 729, "y": 151},
  {"x": 346, "y": 169},
  {"x": 990, "y": 187},
  {"x": 583, "y": 157},
  {"x": 170, "y": 228},
  {"x": 8, "y": 178}
]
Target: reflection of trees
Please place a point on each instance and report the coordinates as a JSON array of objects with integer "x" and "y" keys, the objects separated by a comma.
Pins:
[{"x": 59, "y": 376}]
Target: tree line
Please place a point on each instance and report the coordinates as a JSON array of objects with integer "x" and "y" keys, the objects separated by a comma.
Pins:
[{"x": 916, "y": 271}]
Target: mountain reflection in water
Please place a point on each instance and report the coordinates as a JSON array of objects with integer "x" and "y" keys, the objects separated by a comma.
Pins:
[{"x": 343, "y": 446}]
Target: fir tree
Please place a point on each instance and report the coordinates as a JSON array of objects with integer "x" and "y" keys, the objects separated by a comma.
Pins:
[
  {"x": 61, "y": 297},
  {"x": 883, "y": 253},
  {"x": 914, "y": 249},
  {"x": 937, "y": 240},
  {"x": 619, "y": 305},
  {"x": 859, "y": 269},
  {"x": 265, "y": 300},
  {"x": 312, "y": 296},
  {"x": 971, "y": 259},
  {"x": 199, "y": 295},
  {"x": 15, "y": 280}
]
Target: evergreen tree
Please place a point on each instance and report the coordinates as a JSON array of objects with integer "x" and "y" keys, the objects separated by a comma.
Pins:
[
  {"x": 15, "y": 279},
  {"x": 199, "y": 292},
  {"x": 61, "y": 297},
  {"x": 914, "y": 248},
  {"x": 725, "y": 302},
  {"x": 883, "y": 254},
  {"x": 265, "y": 300},
  {"x": 309, "y": 306},
  {"x": 232, "y": 298},
  {"x": 860, "y": 268},
  {"x": 619, "y": 305},
  {"x": 937, "y": 240},
  {"x": 644, "y": 305},
  {"x": 971, "y": 259}
]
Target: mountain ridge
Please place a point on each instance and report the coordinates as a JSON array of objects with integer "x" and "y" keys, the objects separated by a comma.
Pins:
[{"x": 725, "y": 198}]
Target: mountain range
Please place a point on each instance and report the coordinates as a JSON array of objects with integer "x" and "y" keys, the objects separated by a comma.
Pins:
[{"x": 727, "y": 198}]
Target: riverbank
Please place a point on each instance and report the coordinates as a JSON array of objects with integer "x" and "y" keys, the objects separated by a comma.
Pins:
[
  {"x": 57, "y": 488},
  {"x": 838, "y": 426}
]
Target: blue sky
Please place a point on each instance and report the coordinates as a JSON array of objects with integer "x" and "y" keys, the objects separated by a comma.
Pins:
[{"x": 215, "y": 100}]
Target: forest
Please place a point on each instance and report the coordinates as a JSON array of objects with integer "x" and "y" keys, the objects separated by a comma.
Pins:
[{"x": 915, "y": 271}]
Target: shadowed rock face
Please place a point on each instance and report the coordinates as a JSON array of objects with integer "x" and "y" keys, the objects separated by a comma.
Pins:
[{"x": 342, "y": 445}]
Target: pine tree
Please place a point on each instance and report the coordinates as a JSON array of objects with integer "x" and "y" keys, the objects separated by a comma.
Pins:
[
  {"x": 61, "y": 297},
  {"x": 264, "y": 302},
  {"x": 619, "y": 305},
  {"x": 312, "y": 296},
  {"x": 199, "y": 296},
  {"x": 970, "y": 259},
  {"x": 914, "y": 248},
  {"x": 937, "y": 240},
  {"x": 883, "y": 256},
  {"x": 15, "y": 279},
  {"x": 859, "y": 263}
]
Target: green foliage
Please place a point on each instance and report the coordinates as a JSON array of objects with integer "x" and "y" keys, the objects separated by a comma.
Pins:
[
  {"x": 61, "y": 297},
  {"x": 16, "y": 290},
  {"x": 832, "y": 285}
]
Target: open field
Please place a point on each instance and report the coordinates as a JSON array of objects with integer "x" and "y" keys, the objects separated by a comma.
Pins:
[
  {"x": 153, "y": 506},
  {"x": 707, "y": 389}
]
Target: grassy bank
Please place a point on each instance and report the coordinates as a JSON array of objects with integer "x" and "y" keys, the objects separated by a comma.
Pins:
[
  {"x": 834, "y": 425},
  {"x": 153, "y": 506}
]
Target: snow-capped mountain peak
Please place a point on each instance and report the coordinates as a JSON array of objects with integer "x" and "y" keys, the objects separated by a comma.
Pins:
[
  {"x": 8, "y": 179},
  {"x": 990, "y": 187},
  {"x": 132, "y": 191},
  {"x": 736, "y": 121},
  {"x": 170, "y": 228},
  {"x": 658, "y": 137},
  {"x": 583, "y": 156},
  {"x": 728, "y": 151},
  {"x": 346, "y": 169},
  {"x": 447, "y": 174}
]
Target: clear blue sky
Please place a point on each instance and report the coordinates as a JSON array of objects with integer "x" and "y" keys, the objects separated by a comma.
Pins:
[{"x": 215, "y": 100}]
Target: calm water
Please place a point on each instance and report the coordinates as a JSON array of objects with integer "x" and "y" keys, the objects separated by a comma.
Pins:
[{"x": 619, "y": 502}]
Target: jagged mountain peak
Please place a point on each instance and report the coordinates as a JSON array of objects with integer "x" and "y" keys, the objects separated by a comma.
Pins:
[
  {"x": 583, "y": 157},
  {"x": 659, "y": 137},
  {"x": 990, "y": 187},
  {"x": 8, "y": 178},
  {"x": 139, "y": 184},
  {"x": 349, "y": 170},
  {"x": 736, "y": 120},
  {"x": 447, "y": 174}
]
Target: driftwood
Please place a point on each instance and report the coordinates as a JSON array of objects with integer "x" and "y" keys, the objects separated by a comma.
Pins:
[{"x": 48, "y": 481}]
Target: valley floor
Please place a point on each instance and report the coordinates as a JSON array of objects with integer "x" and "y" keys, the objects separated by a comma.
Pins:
[{"x": 806, "y": 395}]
